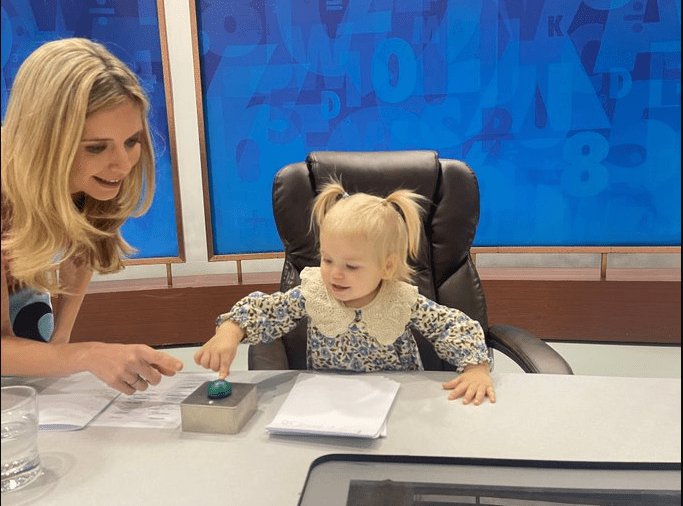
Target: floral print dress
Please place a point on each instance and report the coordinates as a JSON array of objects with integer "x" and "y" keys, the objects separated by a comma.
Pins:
[{"x": 376, "y": 337}]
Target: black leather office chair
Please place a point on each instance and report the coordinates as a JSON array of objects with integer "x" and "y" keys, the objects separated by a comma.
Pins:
[{"x": 445, "y": 272}]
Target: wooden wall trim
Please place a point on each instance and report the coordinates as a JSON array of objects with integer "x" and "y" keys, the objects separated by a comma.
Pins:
[
  {"x": 627, "y": 311},
  {"x": 645, "y": 312}
]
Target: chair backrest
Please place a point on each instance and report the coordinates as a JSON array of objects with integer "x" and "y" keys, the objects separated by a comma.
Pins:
[{"x": 445, "y": 272}]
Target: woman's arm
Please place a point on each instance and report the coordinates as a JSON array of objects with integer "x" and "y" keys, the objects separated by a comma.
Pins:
[
  {"x": 74, "y": 277},
  {"x": 121, "y": 366}
]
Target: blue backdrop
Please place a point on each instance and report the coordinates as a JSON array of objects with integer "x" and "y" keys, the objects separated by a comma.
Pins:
[
  {"x": 130, "y": 29},
  {"x": 569, "y": 111}
]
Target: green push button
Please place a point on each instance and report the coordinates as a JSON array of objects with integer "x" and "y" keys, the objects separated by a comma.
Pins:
[{"x": 219, "y": 388}]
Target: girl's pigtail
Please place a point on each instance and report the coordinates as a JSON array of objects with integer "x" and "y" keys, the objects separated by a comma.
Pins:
[
  {"x": 407, "y": 204},
  {"x": 329, "y": 196}
]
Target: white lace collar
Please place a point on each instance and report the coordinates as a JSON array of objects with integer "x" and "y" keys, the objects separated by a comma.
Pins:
[{"x": 386, "y": 316}]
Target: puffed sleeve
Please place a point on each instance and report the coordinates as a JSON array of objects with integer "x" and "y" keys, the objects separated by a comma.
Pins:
[
  {"x": 456, "y": 337},
  {"x": 266, "y": 317}
]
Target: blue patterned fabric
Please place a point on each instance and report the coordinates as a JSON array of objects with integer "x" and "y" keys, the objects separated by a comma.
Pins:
[{"x": 31, "y": 315}]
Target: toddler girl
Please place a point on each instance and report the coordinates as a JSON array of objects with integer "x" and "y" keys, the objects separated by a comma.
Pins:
[{"x": 360, "y": 303}]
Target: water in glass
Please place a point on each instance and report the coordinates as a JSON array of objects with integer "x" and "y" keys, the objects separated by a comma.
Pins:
[{"x": 20, "y": 459}]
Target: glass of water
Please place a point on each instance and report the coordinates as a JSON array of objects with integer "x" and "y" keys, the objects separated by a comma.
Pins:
[{"x": 20, "y": 459}]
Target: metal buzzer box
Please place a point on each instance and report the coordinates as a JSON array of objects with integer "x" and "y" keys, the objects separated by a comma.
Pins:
[{"x": 226, "y": 415}]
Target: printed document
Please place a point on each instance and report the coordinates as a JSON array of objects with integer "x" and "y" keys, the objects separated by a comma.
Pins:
[{"x": 336, "y": 405}]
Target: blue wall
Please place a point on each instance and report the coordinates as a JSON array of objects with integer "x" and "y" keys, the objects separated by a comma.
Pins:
[
  {"x": 130, "y": 29},
  {"x": 567, "y": 110}
]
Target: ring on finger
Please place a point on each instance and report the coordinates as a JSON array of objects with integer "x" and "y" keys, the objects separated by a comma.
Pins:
[{"x": 135, "y": 382}]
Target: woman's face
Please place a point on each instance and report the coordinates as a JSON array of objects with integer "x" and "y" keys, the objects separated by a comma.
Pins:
[{"x": 107, "y": 152}]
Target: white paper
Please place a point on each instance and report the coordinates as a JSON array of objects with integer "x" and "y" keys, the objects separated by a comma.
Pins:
[
  {"x": 70, "y": 403},
  {"x": 336, "y": 405},
  {"x": 156, "y": 407}
]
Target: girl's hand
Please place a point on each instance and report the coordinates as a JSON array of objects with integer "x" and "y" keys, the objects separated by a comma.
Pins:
[
  {"x": 472, "y": 385},
  {"x": 219, "y": 351}
]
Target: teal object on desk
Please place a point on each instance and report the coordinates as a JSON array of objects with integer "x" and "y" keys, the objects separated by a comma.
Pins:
[{"x": 219, "y": 388}]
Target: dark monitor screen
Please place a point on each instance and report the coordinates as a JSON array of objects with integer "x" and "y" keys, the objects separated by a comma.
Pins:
[{"x": 387, "y": 480}]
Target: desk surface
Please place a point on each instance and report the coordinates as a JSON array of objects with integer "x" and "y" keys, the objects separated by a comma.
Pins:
[{"x": 537, "y": 417}]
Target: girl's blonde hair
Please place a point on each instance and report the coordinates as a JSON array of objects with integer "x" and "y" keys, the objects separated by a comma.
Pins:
[
  {"x": 57, "y": 87},
  {"x": 392, "y": 224}
]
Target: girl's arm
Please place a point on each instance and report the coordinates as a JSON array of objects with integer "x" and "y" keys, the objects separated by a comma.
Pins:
[
  {"x": 460, "y": 341},
  {"x": 473, "y": 384},
  {"x": 456, "y": 337},
  {"x": 257, "y": 318},
  {"x": 219, "y": 351},
  {"x": 264, "y": 318},
  {"x": 74, "y": 277}
]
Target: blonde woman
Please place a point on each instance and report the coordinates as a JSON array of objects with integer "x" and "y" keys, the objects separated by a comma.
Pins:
[
  {"x": 77, "y": 161},
  {"x": 360, "y": 303}
]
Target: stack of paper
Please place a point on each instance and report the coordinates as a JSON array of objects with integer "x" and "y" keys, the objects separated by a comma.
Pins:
[
  {"x": 72, "y": 402},
  {"x": 336, "y": 405},
  {"x": 157, "y": 407},
  {"x": 79, "y": 400}
]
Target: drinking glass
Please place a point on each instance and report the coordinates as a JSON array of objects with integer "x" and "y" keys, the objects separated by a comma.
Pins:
[{"x": 20, "y": 459}]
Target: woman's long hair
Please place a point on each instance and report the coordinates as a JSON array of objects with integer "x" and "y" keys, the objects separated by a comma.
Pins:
[{"x": 57, "y": 87}]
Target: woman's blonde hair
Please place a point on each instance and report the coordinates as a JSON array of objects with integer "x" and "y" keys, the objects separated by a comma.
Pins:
[
  {"x": 57, "y": 87},
  {"x": 391, "y": 224}
]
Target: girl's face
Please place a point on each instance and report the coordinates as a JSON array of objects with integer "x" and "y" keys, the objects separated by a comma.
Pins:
[
  {"x": 108, "y": 150},
  {"x": 349, "y": 268}
]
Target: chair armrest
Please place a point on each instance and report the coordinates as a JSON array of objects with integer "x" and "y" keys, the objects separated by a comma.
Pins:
[
  {"x": 271, "y": 357},
  {"x": 528, "y": 351}
]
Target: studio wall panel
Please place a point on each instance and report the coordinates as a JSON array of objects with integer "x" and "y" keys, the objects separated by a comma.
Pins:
[
  {"x": 131, "y": 30},
  {"x": 567, "y": 110}
]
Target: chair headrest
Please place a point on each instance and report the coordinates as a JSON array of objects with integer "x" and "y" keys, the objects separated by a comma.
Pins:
[{"x": 377, "y": 172}]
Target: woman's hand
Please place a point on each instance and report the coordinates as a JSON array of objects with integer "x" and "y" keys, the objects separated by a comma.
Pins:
[
  {"x": 126, "y": 367},
  {"x": 472, "y": 385},
  {"x": 219, "y": 351}
]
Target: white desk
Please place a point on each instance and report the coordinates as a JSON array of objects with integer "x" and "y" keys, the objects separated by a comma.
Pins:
[{"x": 569, "y": 418}]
